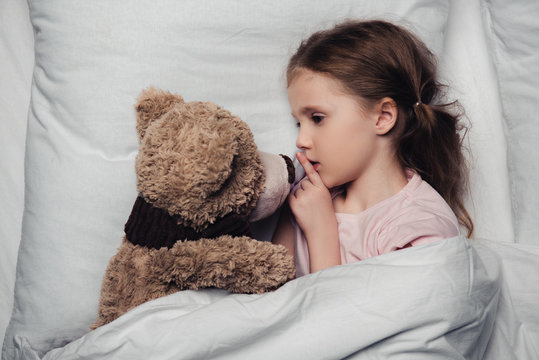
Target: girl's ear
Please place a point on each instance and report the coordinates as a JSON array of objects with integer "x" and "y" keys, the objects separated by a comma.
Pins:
[{"x": 387, "y": 115}]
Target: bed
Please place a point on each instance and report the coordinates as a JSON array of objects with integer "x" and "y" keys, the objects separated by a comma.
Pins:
[{"x": 71, "y": 71}]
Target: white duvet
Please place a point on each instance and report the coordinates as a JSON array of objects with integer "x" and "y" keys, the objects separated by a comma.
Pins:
[{"x": 445, "y": 300}]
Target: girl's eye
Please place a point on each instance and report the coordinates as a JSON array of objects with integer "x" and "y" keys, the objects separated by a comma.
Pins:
[{"x": 317, "y": 118}]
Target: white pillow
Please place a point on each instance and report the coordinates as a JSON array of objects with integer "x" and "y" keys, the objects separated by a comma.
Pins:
[
  {"x": 92, "y": 60},
  {"x": 17, "y": 59},
  {"x": 513, "y": 37}
]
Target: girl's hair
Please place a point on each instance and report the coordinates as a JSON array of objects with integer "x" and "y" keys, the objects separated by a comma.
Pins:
[{"x": 376, "y": 59}]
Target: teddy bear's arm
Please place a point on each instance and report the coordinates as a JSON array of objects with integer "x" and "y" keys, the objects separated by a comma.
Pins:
[
  {"x": 279, "y": 173},
  {"x": 237, "y": 264}
]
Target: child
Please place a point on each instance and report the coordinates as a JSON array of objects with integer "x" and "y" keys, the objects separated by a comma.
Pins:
[{"x": 383, "y": 157}]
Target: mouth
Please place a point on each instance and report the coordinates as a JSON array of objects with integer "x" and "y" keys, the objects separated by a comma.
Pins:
[{"x": 315, "y": 164}]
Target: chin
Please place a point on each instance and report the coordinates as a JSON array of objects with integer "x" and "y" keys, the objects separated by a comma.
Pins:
[
  {"x": 328, "y": 182},
  {"x": 333, "y": 183}
]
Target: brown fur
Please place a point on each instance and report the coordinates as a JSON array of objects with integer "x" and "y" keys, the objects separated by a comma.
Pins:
[
  {"x": 169, "y": 171},
  {"x": 152, "y": 104},
  {"x": 137, "y": 274},
  {"x": 198, "y": 162}
]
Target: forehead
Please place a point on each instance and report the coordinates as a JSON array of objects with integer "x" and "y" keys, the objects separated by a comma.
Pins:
[
  {"x": 307, "y": 78},
  {"x": 309, "y": 91}
]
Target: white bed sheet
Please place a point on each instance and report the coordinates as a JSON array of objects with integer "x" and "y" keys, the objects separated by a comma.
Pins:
[
  {"x": 433, "y": 302},
  {"x": 448, "y": 300},
  {"x": 513, "y": 44},
  {"x": 17, "y": 61},
  {"x": 516, "y": 332}
]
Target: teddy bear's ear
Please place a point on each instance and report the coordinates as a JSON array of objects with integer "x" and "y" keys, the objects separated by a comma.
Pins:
[{"x": 151, "y": 105}]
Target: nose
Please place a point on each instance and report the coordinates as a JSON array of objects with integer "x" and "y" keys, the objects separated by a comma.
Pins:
[{"x": 303, "y": 141}]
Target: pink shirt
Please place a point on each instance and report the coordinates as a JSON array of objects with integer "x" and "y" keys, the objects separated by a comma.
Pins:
[{"x": 414, "y": 216}]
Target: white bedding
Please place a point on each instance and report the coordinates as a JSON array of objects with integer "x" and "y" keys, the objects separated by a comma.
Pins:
[
  {"x": 436, "y": 301},
  {"x": 76, "y": 163},
  {"x": 17, "y": 60}
]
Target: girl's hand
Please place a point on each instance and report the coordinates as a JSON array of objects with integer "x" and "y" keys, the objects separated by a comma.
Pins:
[
  {"x": 313, "y": 209},
  {"x": 311, "y": 204}
]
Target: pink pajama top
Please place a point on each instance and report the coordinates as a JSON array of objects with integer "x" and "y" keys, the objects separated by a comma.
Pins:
[{"x": 414, "y": 216}]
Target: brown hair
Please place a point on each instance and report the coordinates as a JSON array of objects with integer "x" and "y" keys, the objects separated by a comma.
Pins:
[{"x": 376, "y": 59}]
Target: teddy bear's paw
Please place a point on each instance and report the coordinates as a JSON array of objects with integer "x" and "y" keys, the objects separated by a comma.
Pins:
[
  {"x": 267, "y": 266},
  {"x": 237, "y": 264}
]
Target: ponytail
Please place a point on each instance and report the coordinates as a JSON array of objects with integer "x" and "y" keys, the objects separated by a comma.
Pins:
[{"x": 431, "y": 144}]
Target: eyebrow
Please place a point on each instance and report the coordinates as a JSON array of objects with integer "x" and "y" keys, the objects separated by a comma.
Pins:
[{"x": 307, "y": 110}]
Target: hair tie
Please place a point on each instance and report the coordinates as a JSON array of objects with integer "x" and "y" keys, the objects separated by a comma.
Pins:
[{"x": 417, "y": 104}]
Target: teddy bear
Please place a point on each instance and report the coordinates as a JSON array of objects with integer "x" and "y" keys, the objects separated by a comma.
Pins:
[{"x": 200, "y": 180}]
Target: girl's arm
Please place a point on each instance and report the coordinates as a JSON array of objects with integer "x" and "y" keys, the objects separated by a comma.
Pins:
[
  {"x": 284, "y": 234},
  {"x": 313, "y": 209},
  {"x": 324, "y": 250}
]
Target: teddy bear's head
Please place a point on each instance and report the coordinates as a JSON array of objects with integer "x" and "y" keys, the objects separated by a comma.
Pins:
[{"x": 196, "y": 160}]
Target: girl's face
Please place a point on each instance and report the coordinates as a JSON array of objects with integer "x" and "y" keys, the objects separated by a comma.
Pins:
[{"x": 335, "y": 133}]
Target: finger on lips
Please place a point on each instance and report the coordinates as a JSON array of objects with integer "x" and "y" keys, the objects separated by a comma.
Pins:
[
  {"x": 311, "y": 173},
  {"x": 304, "y": 162}
]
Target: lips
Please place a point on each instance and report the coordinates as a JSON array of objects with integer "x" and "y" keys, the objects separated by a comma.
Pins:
[{"x": 315, "y": 164}]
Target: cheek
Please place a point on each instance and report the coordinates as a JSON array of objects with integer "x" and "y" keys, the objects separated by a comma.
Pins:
[{"x": 346, "y": 141}]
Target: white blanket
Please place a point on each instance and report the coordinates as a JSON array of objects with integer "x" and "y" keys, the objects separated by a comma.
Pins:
[{"x": 434, "y": 301}]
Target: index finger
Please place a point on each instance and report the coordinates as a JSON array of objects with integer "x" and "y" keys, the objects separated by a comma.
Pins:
[{"x": 311, "y": 173}]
